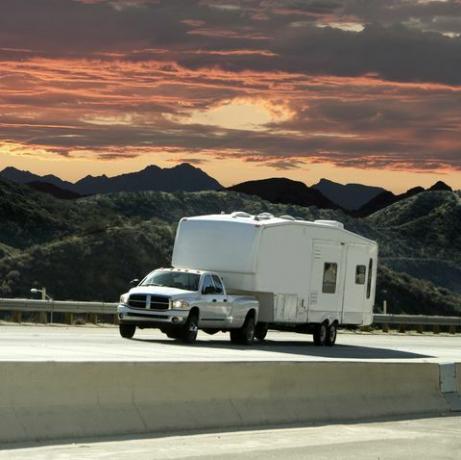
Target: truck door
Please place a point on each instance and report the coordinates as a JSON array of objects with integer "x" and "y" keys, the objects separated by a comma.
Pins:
[
  {"x": 223, "y": 304},
  {"x": 214, "y": 308}
]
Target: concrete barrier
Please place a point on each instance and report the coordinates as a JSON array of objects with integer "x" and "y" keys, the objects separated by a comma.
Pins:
[{"x": 56, "y": 400}]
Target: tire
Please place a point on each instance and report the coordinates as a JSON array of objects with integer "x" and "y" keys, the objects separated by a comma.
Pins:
[
  {"x": 127, "y": 330},
  {"x": 261, "y": 331},
  {"x": 332, "y": 331},
  {"x": 246, "y": 334},
  {"x": 189, "y": 334},
  {"x": 320, "y": 334}
]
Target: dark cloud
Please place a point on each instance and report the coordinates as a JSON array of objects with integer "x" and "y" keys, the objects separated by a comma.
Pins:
[{"x": 401, "y": 41}]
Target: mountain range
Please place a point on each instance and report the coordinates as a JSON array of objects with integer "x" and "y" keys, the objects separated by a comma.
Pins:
[
  {"x": 183, "y": 177},
  {"x": 350, "y": 196},
  {"x": 357, "y": 200}
]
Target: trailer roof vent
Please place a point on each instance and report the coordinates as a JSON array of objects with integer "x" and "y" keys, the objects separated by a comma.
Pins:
[
  {"x": 331, "y": 223},
  {"x": 264, "y": 216},
  {"x": 240, "y": 214},
  {"x": 287, "y": 217}
]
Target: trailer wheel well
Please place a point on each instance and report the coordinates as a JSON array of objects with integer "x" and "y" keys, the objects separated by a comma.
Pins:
[{"x": 195, "y": 310}]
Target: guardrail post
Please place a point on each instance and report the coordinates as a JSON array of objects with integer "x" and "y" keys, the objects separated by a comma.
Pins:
[
  {"x": 402, "y": 328},
  {"x": 17, "y": 316},
  {"x": 93, "y": 318},
  {"x": 385, "y": 327},
  {"x": 69, "y": 318},
  {"x": 452, "y": 329},
  {"x": 43, "y": 317},
  {"x": 420, "y": 328},
  {"x": 436, "y": 329}
]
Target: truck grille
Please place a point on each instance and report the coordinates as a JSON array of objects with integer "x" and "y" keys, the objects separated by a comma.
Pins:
[{"x": 156, "y": 302}]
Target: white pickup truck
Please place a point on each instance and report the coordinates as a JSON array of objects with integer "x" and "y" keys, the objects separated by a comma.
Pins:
[{"x": 179, "y": 302}]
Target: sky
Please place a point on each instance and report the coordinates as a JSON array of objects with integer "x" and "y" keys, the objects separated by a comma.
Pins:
[{"x": 352, "y": 90}]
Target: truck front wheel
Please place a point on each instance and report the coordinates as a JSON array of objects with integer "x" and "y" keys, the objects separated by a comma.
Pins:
[
  {"x": 190, "y": 331},
  {"x": 127, "y": 330}
]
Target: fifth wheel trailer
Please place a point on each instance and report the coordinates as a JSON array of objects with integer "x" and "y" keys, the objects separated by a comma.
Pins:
[{"x": 307, "y": 276}]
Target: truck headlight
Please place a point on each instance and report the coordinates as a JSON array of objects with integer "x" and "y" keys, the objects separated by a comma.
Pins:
[
  {"x": 124, "y": 299},
  {"x": 180, "y": 304}
]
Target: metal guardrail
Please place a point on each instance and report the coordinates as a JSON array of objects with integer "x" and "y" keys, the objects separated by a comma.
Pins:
[
  {"x": 58, "y": 306},
  {"x": 108, "y": 308},
  {"x": 416, "y": 320}
]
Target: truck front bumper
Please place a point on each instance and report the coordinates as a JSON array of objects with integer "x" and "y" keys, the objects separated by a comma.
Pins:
[{"x": 151, "y": 318}]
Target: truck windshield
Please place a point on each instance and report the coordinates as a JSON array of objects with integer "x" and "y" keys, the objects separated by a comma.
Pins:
[{"x": 180, "y": 280}]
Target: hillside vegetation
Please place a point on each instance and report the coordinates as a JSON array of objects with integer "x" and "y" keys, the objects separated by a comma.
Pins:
[{"x": 89, "y": 249}]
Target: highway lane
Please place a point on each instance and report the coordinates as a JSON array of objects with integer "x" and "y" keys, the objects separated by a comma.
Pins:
[
  {"x": 103, "y": 343},
  {"x": 434, "y": 438}
]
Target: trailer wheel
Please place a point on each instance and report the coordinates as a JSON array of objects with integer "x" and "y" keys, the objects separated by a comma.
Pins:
[
  {"x": 331, "y": 335},
  {"x": 320, "y": 334},
  {"x": 261, "y": 331},
  {"x": 190, "y": 330},
  {"x": 127, "y": 330}
]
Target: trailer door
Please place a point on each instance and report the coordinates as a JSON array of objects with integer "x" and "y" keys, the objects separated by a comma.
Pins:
[
  {"x": 355, "y": 283},
  {"x": 326, "y": 296}
]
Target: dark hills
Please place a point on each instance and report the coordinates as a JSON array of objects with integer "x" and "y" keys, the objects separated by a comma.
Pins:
[
  {"x": 384, "y": 199},
  {"x": 286, "y": 191},
  {"x": 89, "y": 248},
  {"x": 54, "y": 190},
  {"x": 357, "y": 200}
]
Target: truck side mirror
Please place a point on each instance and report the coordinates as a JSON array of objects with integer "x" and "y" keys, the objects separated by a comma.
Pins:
[{"x": 134, "y": 282}]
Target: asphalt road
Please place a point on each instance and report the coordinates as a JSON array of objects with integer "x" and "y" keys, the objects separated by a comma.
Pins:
[
  {"x": 431, "y": 438},
  {"x": 103, "y": 343}
]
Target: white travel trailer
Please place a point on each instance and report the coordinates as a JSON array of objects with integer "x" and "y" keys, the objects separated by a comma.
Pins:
[{"x": 307, "y": 276}]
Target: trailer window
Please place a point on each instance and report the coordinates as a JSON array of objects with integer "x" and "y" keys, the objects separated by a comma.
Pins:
[
  {"x": 360, "y": 271},
  {"x": 370, "y": 271},
  {"x": 330, "y": 271}
]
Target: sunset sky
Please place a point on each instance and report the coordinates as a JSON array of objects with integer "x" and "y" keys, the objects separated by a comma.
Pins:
[{"x": 353, "y": 90}]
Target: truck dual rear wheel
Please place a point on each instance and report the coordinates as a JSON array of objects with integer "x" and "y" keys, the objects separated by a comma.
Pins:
[
  {"x": 261, "y": 331},
  {"x": 246, "y": 334},
  {"x": 127, "y": 330}
]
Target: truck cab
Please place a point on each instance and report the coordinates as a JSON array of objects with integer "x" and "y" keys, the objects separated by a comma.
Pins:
[{"x": 181, "y": 301}]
